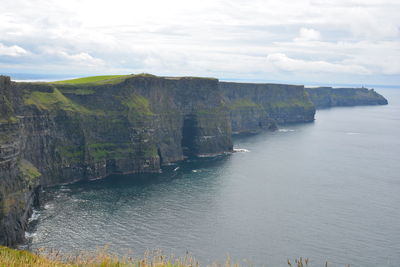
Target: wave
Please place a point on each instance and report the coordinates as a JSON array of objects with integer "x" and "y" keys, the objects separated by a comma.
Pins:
[
  {"x": 48, "y": 206},
  {"x": 29, "y": 235},
  {"x": 240, "y": 150},
  {"x": 64, "y": 189},
  {"x": 35, "y": 216},
  {"x": 286, "y": 130}
]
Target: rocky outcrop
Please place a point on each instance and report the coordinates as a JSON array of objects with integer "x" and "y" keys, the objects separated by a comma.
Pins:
[
  {"x": 325, "y": 97},
  {"x": 254, "y": 107}
]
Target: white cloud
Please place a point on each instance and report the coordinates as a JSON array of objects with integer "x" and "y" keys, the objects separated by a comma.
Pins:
[
  {"x": 222, "y": 38},
  {"x": 12, "y": 51},
  {"x": 82, "y": 58},
  {"x": 306, "y": 34},
  {"x": 379, "y": 58},
  {"x": 286, "y": 63}
]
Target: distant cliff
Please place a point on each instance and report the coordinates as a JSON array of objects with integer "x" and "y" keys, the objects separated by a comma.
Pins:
[
  {"x": 325, "y": 97},
  {"x": 61, "y": 132},
  {"x": 253, "y": 107}
]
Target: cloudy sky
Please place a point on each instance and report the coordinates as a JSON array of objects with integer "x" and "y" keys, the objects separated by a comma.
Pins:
[{"x": 297, "y": 41}]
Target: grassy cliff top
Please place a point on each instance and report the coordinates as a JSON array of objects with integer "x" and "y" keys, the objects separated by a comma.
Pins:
[
  {"x": 114, "y": 79},
  {"x": 104, "y": 79}
]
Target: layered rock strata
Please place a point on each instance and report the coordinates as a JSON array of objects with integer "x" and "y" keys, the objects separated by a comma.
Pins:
[{"x": 55, "y": 133}]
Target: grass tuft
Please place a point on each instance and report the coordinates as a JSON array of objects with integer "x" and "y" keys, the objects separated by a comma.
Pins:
[
  {"x": 138, "y": 104},
  {"x": 29, "y": 170}
]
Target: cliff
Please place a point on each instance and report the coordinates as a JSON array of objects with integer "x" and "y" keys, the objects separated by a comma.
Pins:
[
  {"x": 61, "y": 132},
  {"x": 325, "y": 97},
  {"x": 253, "y": 107},
  {"x": 19, "y": 179}
]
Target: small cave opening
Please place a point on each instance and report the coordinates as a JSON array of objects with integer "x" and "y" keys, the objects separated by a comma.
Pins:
[
  {"x": 160, "y": 156},
  {"x": 189, "y": 133}
]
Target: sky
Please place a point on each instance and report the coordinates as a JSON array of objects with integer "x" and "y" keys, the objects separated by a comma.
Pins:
[{"x": 293, "y": 41}]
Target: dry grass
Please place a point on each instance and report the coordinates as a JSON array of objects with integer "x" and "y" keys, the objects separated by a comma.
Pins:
[
  {"x": 15, "y": 258},
  {"x": 103, "y": 258}
]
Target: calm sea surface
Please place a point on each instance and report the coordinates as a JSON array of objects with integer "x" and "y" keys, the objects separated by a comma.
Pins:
[{"x": 328, "y": 190}]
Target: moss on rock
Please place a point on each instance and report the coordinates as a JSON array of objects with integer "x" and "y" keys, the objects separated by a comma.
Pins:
[
  {"x": 54, "y": 100},
  {"x": 243, "y": 103},
  {"x": 29, "y": 171},
  {"x": 138, "y": 104}
]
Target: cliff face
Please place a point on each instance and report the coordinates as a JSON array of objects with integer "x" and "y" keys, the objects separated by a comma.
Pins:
[
  {"x": 19, "y": 179},
  {"x": 53, "y": 133},
  {"x": 60, "y": 133},
  {"x": 325, "y": 97},
  {"x": 91, "y": 131},
  {"x": 254, "y": 107}
]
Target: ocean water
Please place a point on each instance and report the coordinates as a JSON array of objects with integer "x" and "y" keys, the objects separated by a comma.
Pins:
[{"x": 328, "y": 190}]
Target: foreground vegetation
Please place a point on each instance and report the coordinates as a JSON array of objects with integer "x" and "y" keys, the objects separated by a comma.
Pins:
[
  {"x": 102, "y": 258},
  {"x": 18, "y": 258}
]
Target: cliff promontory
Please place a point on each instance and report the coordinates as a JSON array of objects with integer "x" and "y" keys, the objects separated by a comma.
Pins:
[{"x": 325, "y": 97}]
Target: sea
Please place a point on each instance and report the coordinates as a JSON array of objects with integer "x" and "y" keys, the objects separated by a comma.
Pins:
[{"x": 328, "y": 191}]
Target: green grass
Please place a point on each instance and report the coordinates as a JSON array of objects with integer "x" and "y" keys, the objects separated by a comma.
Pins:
[
  {"x": 243, "y": 103},
  {"x": 292, "y": 103},
  {"x": 138, "y": 104},
  {"x": 11, "y": 119},
  {"x": 29, "y": 170},
  {"x": 101, "y": 258},
  {"x": 101, "y": 151},
  {"x": 18, "y": 258},
  {"x": 72, "y": 154},
  {"x": 101, "y": 80},
  {"x": 78, "y": 91},
  {"x": 150, "y": 152},
  {"x": 55, "y": 100},
  {"x": 114, "y": 79},
  {"x": 104, "y": 79},
  {"x": 6, "y": 110}
]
